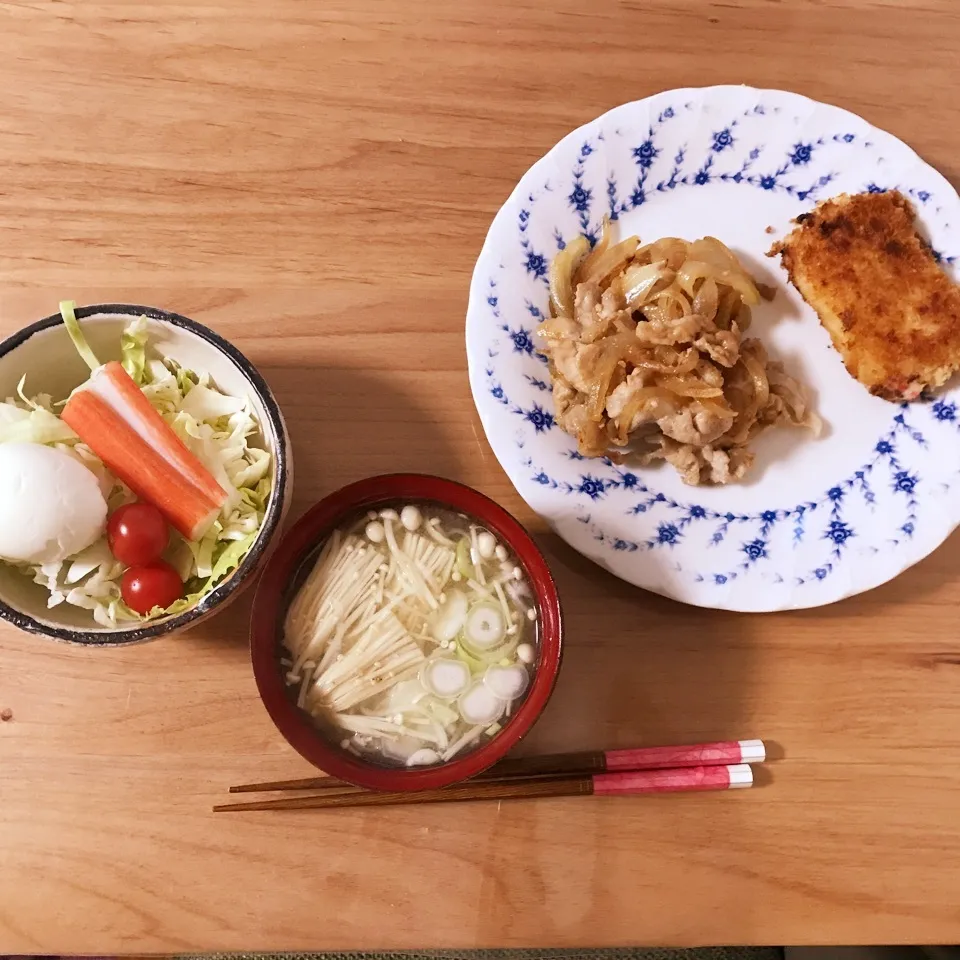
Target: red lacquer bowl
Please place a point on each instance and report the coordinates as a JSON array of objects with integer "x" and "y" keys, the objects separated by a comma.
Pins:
[{"x": 274, "y": 594}]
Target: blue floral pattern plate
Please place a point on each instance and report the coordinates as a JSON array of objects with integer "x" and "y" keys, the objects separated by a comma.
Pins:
[{"x": 817, "y": 519}]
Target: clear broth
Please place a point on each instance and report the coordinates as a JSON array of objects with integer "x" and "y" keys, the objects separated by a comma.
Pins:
[{"x": 362, "y": 641}]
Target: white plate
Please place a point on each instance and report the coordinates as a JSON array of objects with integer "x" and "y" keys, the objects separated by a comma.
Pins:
[{"x": 816, "y": 519}]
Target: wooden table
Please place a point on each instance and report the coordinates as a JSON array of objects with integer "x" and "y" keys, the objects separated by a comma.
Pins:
[{"x": 314, "y": 180}]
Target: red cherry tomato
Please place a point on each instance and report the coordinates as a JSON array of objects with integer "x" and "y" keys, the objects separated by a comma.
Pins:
[
  {"x": 154, "y": 585},
  {"x": 137, "y": 534}
]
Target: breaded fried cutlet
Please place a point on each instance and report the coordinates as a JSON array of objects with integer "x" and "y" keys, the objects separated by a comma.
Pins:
[{"x": 892, "y": 312}]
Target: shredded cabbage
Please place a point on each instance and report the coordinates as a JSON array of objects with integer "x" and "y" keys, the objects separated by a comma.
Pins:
[
  {"x": 21, "y": 425},
  {"x": 217, "y": 427},
  {"x": 76, "y": 334},
  {"x": 133, "y": 350}
]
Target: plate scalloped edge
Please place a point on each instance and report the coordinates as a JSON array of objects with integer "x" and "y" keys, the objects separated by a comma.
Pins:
[{"x": 859, "y": 507}]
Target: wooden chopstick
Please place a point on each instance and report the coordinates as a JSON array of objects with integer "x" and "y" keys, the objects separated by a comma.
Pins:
[
  {"x": 331, "y": 786},
  {"x": 587, "y": 762},
  {"x": 606, "y": 784},
  {"x": 579, "y": 763}
]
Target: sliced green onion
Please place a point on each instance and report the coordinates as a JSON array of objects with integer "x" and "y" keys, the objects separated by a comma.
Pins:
[
  {"x": 485, "y": 627},
  {"x": 464, "y": 563},
  {"x": 475, "y": 664},
  {"x": 507, "y": 683},
  {"x": 479, "y": 705},
  {"x": 445, "y": 677}
]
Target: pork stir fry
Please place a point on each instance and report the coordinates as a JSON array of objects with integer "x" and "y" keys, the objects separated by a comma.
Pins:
[{"x": 647, "y": 357}]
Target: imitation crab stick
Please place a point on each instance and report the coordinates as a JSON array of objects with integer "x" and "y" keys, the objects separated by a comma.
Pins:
[{"x": 113, "y": 417}]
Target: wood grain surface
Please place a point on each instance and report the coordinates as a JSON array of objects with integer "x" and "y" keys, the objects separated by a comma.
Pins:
[{"x": 314, "y": 180}]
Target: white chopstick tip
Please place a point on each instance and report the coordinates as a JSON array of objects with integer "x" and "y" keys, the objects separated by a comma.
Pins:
[
  {"x": 741, "y": 775},
  {"x": 752, "y": 751}
]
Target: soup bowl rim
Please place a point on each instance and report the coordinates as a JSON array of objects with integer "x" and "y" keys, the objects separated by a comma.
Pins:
[{"x": 303, "y": 540}]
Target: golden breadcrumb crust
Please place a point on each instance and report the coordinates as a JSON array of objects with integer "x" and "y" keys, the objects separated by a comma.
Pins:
[{"x": 892, "y": 312}]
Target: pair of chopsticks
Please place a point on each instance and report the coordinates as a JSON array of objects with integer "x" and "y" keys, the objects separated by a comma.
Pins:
[{"x": 724, "y": 765}]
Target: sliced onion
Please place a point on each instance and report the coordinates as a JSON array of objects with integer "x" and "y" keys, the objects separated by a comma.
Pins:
[
  {"x": 445, "y": 677},
  {"x": 671, "y": 249},
  {"x": 507, "y": 683},
  {"x": 693, "y": 269},
  {"x": 558, "y": 328},
  {"x": 756, "y": 368},
  {"x": 601, "y": 247},
  {"x": 479, "y": 705},
  {"x": 562, "y": 269},
  {"x": 638, "y": 281},
  {"x": 691, "y": 387},
  {"x": 707, "y": 299},
  {"x": 610, "y": 261},
  {"x": 447, "y": 622},
  {"x": 715, "y": 252},
  {"x": 601, "y": 384},
  {"x": 661, "y": 402}
]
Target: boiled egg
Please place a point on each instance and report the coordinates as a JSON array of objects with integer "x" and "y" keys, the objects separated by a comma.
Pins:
[{"x": 51, "y": 506}]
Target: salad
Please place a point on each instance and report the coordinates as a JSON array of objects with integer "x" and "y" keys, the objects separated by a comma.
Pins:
[{"x": 135, "y": 496}]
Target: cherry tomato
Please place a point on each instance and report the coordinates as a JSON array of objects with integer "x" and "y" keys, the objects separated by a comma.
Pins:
[
  {"x": 137, "y": 534},
  {"x": 153, "y": 585}
]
